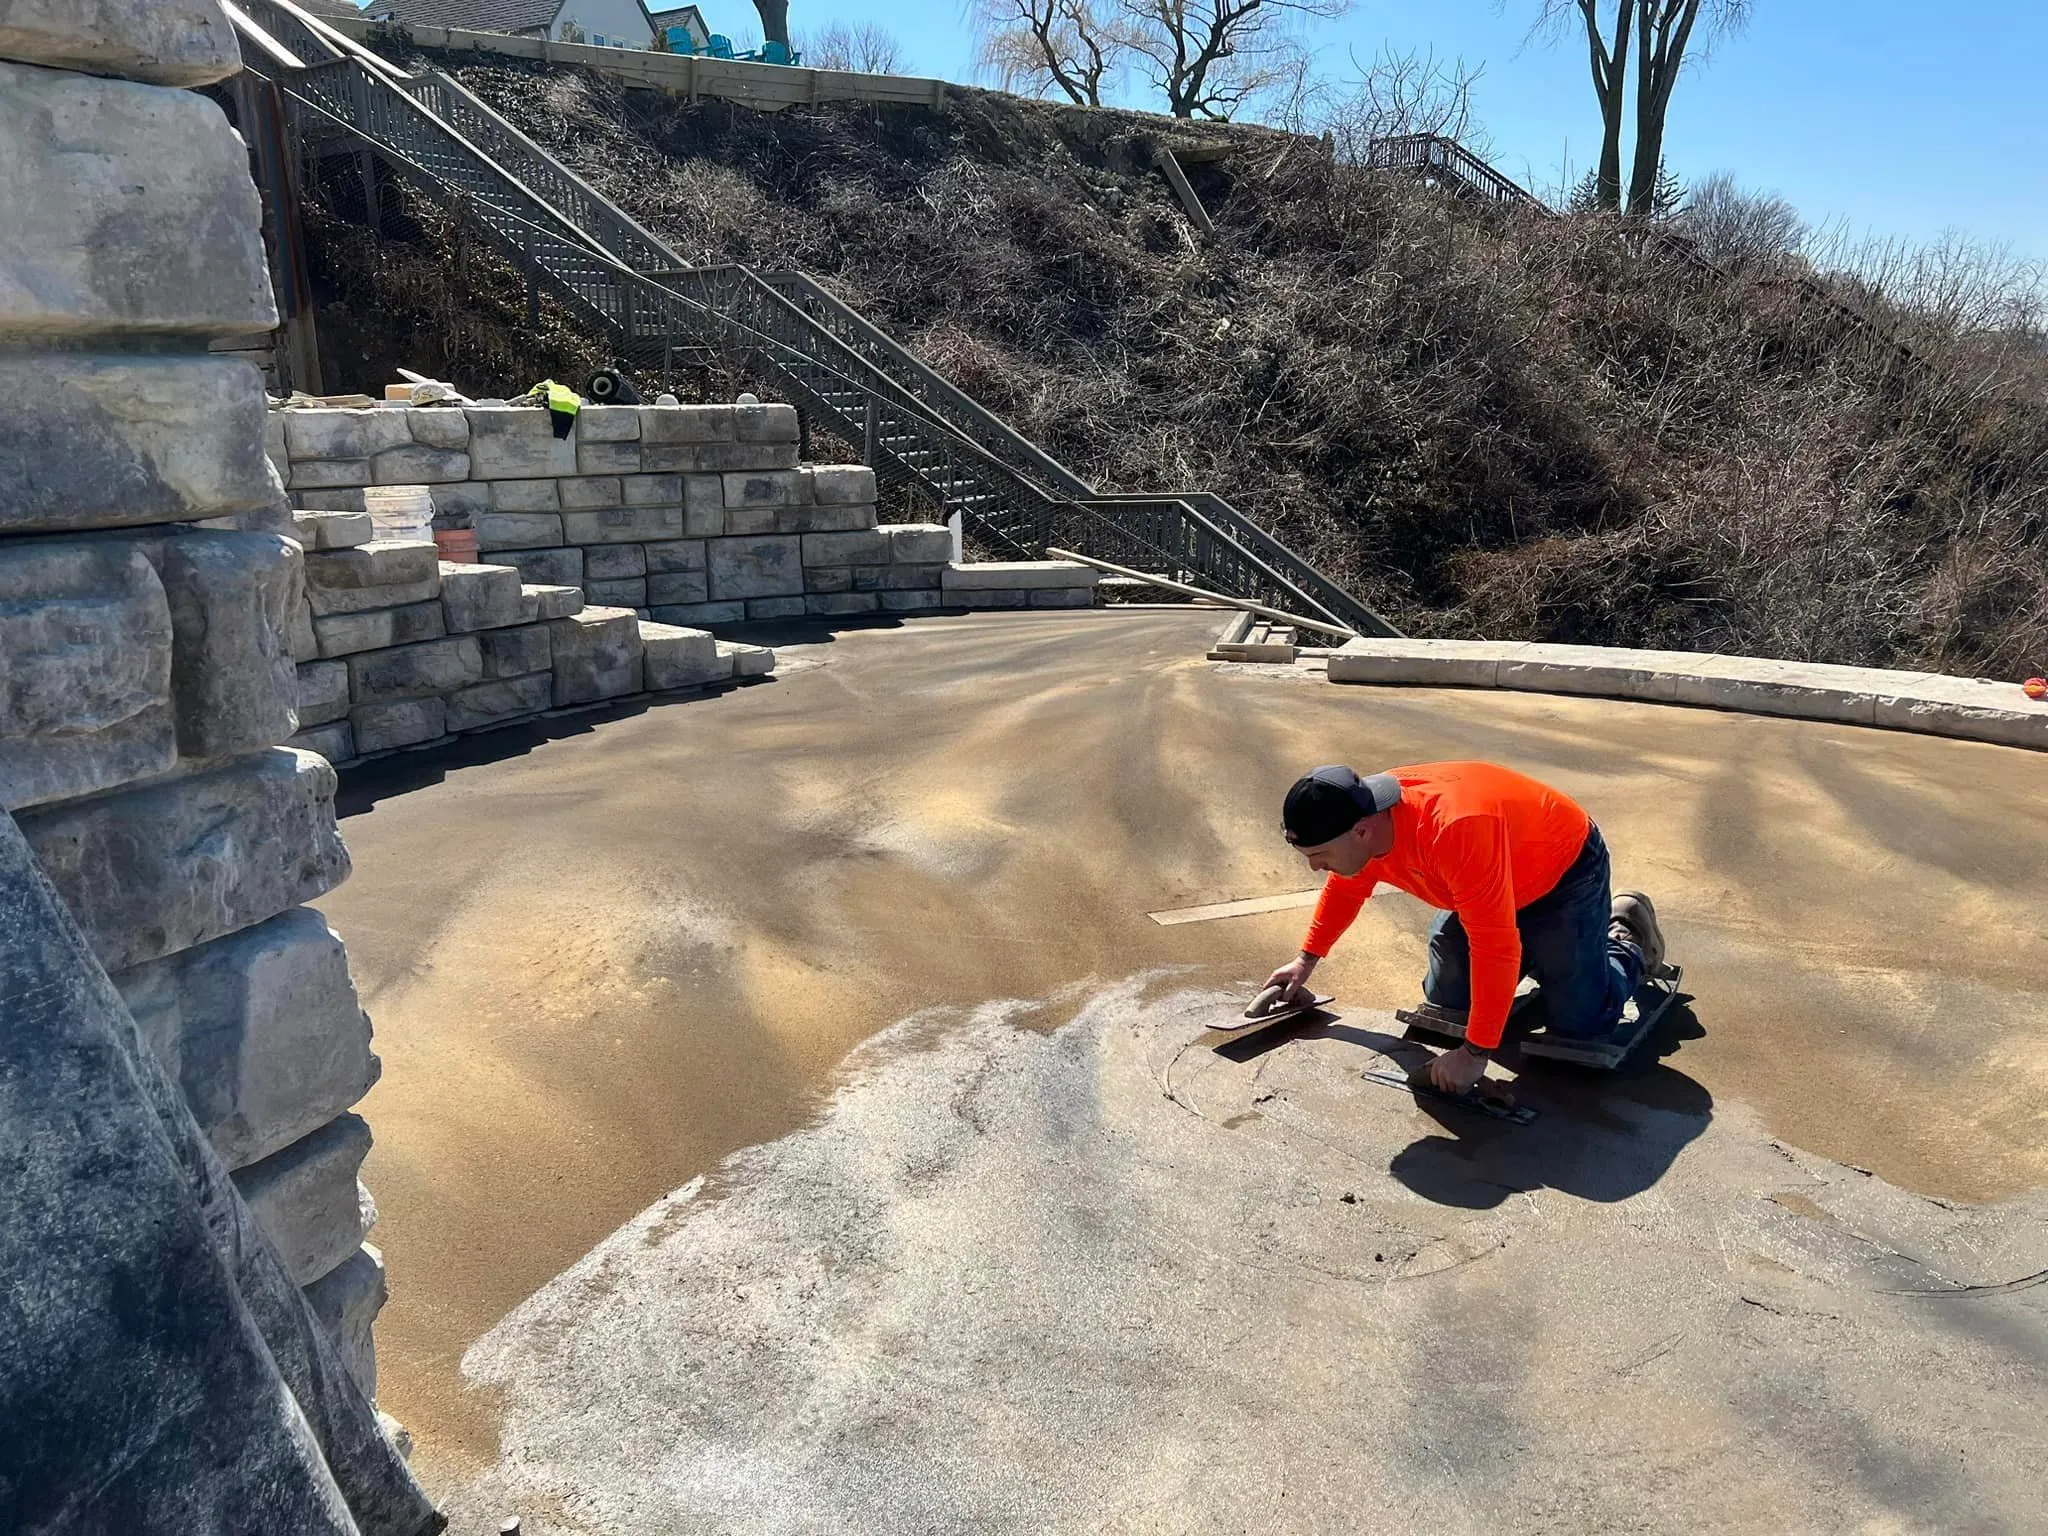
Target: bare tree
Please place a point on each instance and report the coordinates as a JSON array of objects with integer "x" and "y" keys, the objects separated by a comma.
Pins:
[
  {"x": 864, "y": 46},
  {"x": 1208, "y": 58},
  {"x": 1610, "y": 88},
  {"x": 1211, "y": 57},
  {"x": 1396, "y": 95},
  {"x": 774, "y": 20},
  {"x": 1073, "y": 46},
  {"x": 1741, "y": 229},
  {"x": 1661, "y": 32}
]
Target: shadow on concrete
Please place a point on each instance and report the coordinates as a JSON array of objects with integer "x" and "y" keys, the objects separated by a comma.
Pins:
[
  {"x": 1602, "y": 1136},
  {"x": 815, "y": 631},
  {"x": 364, "y": 785}
]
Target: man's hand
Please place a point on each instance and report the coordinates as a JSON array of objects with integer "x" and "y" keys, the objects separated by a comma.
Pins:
[
  {"x": 1455, "y": 1072},
  {"x": 1293, "y": 976}
]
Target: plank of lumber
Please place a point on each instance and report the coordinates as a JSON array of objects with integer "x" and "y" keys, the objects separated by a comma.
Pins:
[
  {"x": 1177, "y": 179},
  {"x": 1215, "y": 597}
]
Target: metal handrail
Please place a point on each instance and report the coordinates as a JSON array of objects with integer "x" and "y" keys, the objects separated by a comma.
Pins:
[
  {"x": 595, "y": 216},
  {"x": 756, "y": 327},
  {"x": 617, "y": 276},
  {"x": 870, "y": 340},
  {"x": 1433, "y": 153}
]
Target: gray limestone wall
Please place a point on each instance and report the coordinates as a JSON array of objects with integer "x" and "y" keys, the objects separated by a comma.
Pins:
[
  {"x": 695, "y": 515},
  {"x": 397, "y": 648},
  {"x": 687, "y": 514},
  {"x": 149, "y": 587}
]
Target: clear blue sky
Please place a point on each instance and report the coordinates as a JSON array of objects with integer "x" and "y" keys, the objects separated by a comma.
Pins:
[{"x": 1900, "y": 116}]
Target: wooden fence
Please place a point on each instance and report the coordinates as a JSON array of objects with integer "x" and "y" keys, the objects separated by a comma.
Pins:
[{"x": 765, "y": 87}]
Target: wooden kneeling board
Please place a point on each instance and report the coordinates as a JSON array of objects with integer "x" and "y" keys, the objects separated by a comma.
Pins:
[{"x": 1639, "y": 1016}]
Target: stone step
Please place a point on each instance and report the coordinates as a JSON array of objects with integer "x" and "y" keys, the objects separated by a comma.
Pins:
[
  {"x": 551, "y": 602},
  {"x": 1979, "y": 709},
  {"x": 481, "y": 597},
  {"x": 1017, "y": 575},
  {"x": 383, "y": 573},
  {"x": 597, "y": 655},
  {"x": 332, "y": 530},
  {"x": 748, "y": 660},
  {"x": 678, "y": 657}
]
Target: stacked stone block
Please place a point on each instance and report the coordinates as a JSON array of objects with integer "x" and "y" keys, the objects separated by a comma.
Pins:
[
  {"x": 398, "y": 648},
  {"x": 692, "y": 515},
  {"x": 150, "y": 603},
  {"x": 1020, "y": 584}
]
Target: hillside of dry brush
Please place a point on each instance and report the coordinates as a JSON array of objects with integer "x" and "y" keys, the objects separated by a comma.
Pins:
[{"x": 1486, "y": 422}]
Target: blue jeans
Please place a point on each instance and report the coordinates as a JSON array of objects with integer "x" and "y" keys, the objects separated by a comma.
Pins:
[{"x": 1586, "y": 977}]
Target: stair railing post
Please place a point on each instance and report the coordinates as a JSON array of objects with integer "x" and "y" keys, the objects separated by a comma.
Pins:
[
  {"x": 870, "y": 432},
  {"x": 366, "y": 166}
]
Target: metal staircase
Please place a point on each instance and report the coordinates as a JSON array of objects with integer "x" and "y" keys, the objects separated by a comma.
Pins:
[
  {"x": 1446, "y": 163},
  {"x": 618, "y": 279}
]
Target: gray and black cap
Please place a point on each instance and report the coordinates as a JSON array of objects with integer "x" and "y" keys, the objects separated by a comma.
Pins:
[{"x": 1328, "y": 802}]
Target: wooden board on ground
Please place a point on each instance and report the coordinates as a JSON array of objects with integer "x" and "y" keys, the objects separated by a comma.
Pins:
[
  {"x": 1640, "y": 1015},
  {"x": 1447, "y": 1024}
]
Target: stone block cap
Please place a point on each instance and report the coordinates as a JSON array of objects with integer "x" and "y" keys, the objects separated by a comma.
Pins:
[
  {"x": 1971, "y": 708},
  {"x": 161, "y": 42},
  {"x": 1018, "y": 575}
]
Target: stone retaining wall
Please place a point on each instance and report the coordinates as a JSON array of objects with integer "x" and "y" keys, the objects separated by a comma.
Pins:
[
  {"x": 688, "y": 514},
  {"x": 399, "y": 648},
  {"x": 148, "y": 591},
  {"x": 696, "y": 515}
]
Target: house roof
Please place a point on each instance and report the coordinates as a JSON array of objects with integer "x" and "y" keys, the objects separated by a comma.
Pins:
[
  {"x": 679, "y": 16},
  {"x": 475, "y": 15}
]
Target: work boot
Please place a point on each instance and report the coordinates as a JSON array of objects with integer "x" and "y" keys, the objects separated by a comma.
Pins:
[{"x": 1633, "y": 918}]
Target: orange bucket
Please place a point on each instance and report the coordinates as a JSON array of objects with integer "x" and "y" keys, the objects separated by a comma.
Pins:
[{"x": 456, "y": 544}]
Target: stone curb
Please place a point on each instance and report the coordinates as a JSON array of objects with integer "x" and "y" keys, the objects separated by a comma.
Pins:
[{"x": 1967, "y": 708}]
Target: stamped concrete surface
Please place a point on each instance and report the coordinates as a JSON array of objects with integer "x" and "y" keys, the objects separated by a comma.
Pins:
[{"x": 602, "y": 963}]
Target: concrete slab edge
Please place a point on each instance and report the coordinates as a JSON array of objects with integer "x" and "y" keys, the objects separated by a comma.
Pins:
[{"x": 1966, "y": 708}]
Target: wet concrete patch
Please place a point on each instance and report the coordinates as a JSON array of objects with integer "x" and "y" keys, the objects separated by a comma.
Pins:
[
  {"x": 600, "y": 963},
  {"x": 1107, "y": 1278}
]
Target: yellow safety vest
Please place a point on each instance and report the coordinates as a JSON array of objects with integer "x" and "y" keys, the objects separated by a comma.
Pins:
[{"x": 562, "y": 400}]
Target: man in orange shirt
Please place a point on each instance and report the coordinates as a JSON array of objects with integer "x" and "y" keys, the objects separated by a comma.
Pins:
[{"x": 1519, "y": 874}]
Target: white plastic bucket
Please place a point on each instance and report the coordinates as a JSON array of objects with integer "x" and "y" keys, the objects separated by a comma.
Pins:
[{"x": 400, "y": 511}]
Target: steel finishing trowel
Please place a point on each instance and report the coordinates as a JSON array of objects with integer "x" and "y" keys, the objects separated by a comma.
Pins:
[{"x": 1267, "y": 1008}]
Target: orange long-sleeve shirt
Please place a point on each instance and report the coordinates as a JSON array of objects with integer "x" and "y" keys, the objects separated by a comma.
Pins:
[{"x": 1474, "y": 839}]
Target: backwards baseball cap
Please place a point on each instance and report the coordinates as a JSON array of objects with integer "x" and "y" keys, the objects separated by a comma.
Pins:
[{"x": 1328, "y": 802}]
